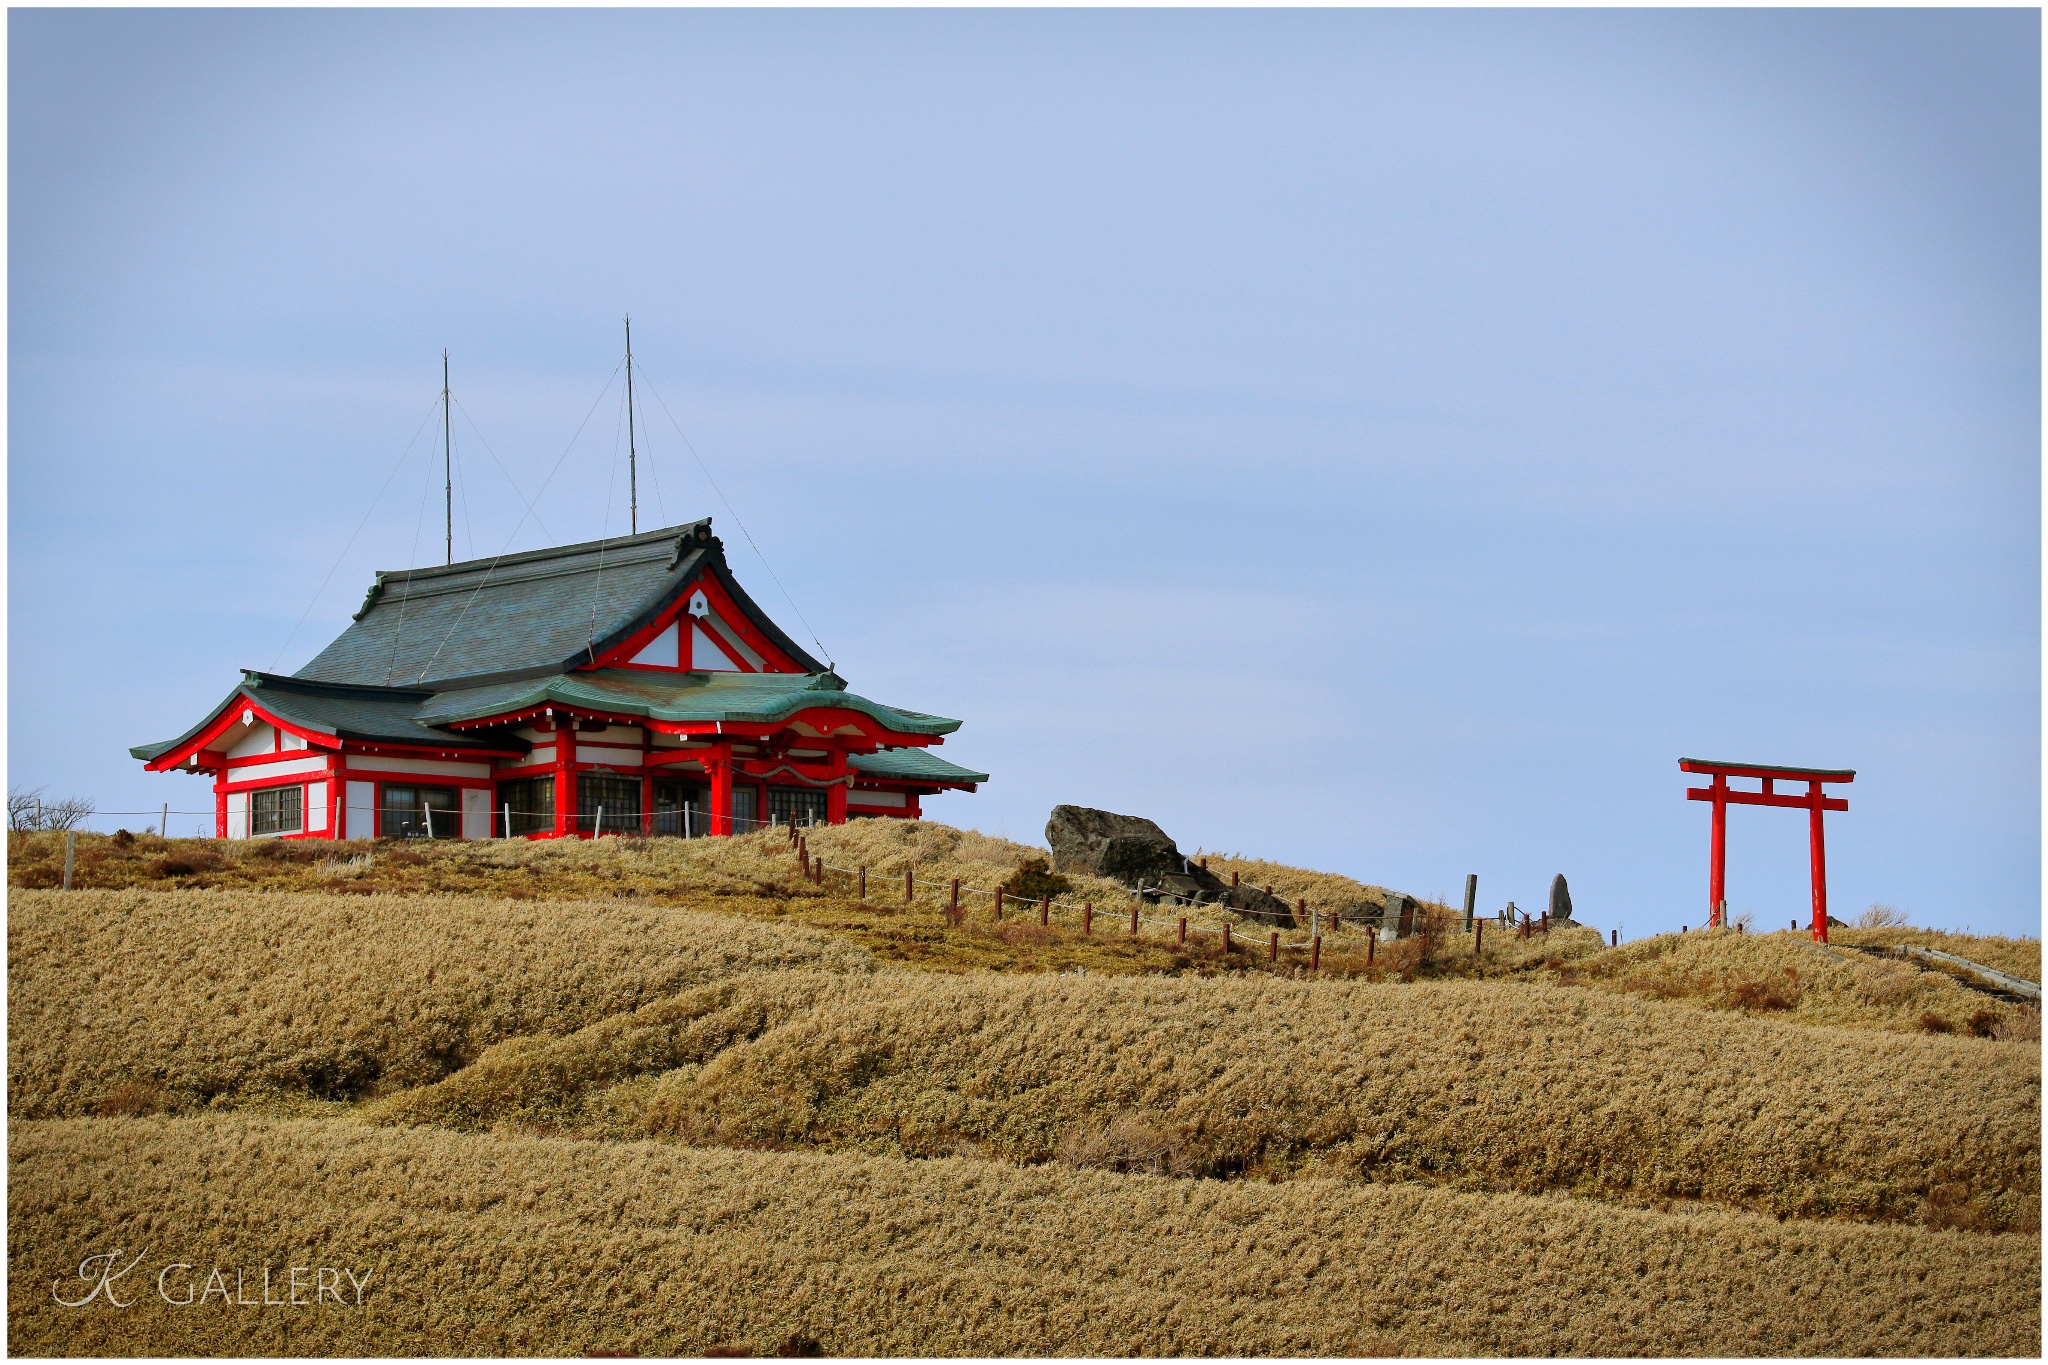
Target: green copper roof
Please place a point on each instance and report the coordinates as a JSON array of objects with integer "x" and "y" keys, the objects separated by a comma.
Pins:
[
  {"x": 735, "y": 698},
  {"x": 359, "y": 713},
  {"x": 914, "y": 765},
  {"x": 537, "y": 611}
]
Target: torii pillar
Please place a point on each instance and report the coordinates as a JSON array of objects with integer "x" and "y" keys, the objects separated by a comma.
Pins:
[{"x": 1813, "y": 800}]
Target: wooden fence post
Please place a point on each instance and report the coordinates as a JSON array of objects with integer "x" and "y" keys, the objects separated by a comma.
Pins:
[
  {"x": 1226, "y": 942},
  {"x": 1614, "y": 938},
  {"x": 1478, "y": 937},
  {"x": 953, "y": 907},
  {"x": 1233, "y": 882},
  {"x": 1087, "y": 919},
  {"x": 1273, "y": 949},
  {"x": 1134, "y": 921},
  {"x": 910, "y": 884},
  {"x": 1315, "y": 953},
  {"x": 1546, "y": 921},
  {"x": 863, "y": 881},
  {"x": 1183, "y": 931},
  {"x": 1372, "y": 943},
  {"x": 998, "y": 894},
  {"x": 1300, "y": 909},
  {"x": 1045, "y": 910},
  {"x": 70, "y": 847}
]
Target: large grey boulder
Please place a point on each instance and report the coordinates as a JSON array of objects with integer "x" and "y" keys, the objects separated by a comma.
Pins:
[
  {"x": 1132, "y": 850},
  {"x": 1125, "y": 848}
]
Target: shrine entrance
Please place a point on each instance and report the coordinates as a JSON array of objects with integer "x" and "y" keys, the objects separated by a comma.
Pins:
[{"x": 1812, "y": 800}]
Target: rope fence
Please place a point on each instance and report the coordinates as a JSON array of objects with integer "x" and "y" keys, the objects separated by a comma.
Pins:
[
  {"x": 694, "y": 824},
  {"x": 815, "y": 868}
]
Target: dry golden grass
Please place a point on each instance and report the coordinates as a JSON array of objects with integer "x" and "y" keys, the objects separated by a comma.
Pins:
[
  {"x": 1331, "y": 890},
  {"x": 1787, "y": 975},
  {"x": 2020, "y": 957},
  {"x": 490, "y": 1245},
  {"x": 1479, "y": 1085},
  {"x": 134, "y": 1001},
  {"x": 759, "y": 864}
]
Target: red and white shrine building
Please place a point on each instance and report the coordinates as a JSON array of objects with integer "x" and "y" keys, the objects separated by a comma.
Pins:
[{"x": 618, "y": 686}]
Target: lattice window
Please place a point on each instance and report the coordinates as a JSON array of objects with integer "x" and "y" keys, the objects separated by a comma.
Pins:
[{"x": 276, "y": 810}]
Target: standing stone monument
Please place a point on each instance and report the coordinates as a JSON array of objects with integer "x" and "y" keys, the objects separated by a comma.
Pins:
[
  {"x": 1560, "y": 898},
  {"x": 1471, "y": 898}
]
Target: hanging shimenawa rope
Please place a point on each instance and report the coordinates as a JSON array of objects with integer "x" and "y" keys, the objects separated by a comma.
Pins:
[{"x": 735, "y": 515}]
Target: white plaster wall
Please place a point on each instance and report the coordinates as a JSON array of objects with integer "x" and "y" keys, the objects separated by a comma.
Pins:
[
  {"x": 734, "y": 643},
  {"x": 663, "y": 651},
  {"x": 428, "y": 766},
  {"x": 290, "y": 742},
  {"x": 611, "y": 734},
  {"x": 360, "y": 815},
  {"x": 258, "y": 772},
  {"x": 257, "y": 738},
  {"x": 610, "y": 757},
  {"x": 857, "y": 797},
  {"x": 316, "y": 807},
  {"x": 476, "y": 813},
  {"x": 238, "y": 815},
  {"x": 706, "y": 657}
]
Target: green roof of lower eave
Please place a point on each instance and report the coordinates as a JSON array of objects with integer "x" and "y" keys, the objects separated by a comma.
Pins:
[
  {"x": 366, "y": 714},
  {"x": 735, "y": 698},
  {"x": 912, "y": 765}
]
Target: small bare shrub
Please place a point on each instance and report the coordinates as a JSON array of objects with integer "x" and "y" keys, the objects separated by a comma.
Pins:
[
  {"x": 129, "y": 1100},
  {"x": 188, "y": 862},
  {"x": 1930, "y": 1022},
  {"x": 1882, "y": 916},
  {"x": 2022, "y": 1024},
  {"x": 1034, "y": 878},
  {"x": 1130, "y": 1142},
  {"x": 1764, "y": 995}
]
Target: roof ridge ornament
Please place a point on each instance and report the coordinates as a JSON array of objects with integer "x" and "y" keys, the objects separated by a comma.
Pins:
[
  {"x": 828, "y": 681},
  {"x": 692, "y": 538}
]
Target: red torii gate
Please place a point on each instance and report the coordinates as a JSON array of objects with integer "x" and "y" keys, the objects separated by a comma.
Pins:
[{"x": 1812, "y": 800}]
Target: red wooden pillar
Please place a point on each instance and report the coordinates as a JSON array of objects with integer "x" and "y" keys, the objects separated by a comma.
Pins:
[
  {"x": 719, "y": 764},
  {"x": 220, "y": 805},
  {"x": 646, "y": 783},
  {"x": 337, "y": 788},
  {"x": 1717, "y": 866},
  {"x": 1820, "y": 864},
  {"x": 565, "y": 774}
]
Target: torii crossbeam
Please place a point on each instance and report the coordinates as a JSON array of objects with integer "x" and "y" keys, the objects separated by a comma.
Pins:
[{"x": 1812, "y": 800}]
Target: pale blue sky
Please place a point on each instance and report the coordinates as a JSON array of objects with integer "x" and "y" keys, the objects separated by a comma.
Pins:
[{"x": 1383, "y": 441}]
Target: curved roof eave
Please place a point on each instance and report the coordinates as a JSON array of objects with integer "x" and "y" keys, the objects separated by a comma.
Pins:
[{"x": 590, "y": 692}]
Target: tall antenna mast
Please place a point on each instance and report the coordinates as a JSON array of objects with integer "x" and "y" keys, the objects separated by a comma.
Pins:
[
  {"x": 632, "y": 456},
  {"x": 447, "y": 462}
]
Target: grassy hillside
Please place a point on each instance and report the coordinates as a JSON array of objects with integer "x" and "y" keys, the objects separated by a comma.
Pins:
[
  {"x": 497, "y": 1244},
  {"x": 661, "y": 1096},
  {"x": 127, "y": 1002},
  {"x": 1480, "y": 1085}
]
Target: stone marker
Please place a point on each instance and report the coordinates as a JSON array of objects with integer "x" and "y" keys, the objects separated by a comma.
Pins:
[
  {"x": 1560, "y": 898},
  {"x": 1471, "y": 897}
]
